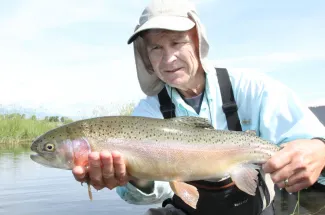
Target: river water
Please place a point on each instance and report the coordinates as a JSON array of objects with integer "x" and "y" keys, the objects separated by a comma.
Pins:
[{"x": 27, "y": 188}]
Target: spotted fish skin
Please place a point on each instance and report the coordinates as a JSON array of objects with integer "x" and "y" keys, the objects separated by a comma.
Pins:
[{"x": 177, "y": 149}]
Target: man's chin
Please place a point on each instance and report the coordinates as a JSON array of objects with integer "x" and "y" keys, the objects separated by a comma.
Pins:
[
  {"x": 176, "y": 82},
  {"x": 179, "y": 85}
]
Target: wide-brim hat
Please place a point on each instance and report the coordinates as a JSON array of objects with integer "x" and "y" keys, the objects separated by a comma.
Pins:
[
  {"x": 164, "y": 14},
  {"x": 175, "y": 15}
]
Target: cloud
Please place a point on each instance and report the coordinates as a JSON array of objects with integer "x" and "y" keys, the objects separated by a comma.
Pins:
[
  {"x": 317, "y": 103},
  {"x": 277, "y": 57},
  {"x": 269, "y": 60},
  {"x": 67, "y": 77},
  {"x": 52, "y": 70},
  {"x": 31, "y": 17},
  {"x": 93, "y": 82},
  {"x": 52, "y": 55}
]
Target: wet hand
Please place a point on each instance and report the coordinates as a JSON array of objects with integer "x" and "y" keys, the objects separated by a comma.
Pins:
[
  {"x": 105, "y": 169},
  {"x": 300, "y": 162}
]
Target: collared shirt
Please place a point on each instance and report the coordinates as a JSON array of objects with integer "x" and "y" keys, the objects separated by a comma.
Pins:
[{"x": 264, "y": 105}]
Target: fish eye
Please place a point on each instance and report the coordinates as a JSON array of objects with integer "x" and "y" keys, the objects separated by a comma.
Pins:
[{"x": 49, "y": 147}]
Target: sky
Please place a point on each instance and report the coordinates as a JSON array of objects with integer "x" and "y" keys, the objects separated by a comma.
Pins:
[{"x": 71, "y": 56}]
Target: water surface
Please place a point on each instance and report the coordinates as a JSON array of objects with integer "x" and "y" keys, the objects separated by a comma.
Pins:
[{"x": 29, "y": 188}]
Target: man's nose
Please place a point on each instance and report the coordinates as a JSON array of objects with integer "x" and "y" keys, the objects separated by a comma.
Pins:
[{"x": 169, "y": 55}]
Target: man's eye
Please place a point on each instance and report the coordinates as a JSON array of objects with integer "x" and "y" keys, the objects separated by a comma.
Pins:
[
  {"x": 155, "y": 48},
  {"x": 178, "y": 43}
]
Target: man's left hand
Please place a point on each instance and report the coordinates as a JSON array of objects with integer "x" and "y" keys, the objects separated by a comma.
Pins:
[{"x": 300, "y": 162}]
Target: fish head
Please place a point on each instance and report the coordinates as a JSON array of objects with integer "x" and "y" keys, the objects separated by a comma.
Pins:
[{"x": 58, "y": 150}]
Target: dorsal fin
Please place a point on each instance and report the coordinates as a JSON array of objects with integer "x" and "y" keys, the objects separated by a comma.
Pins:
[{"x": 193, "y": 121}]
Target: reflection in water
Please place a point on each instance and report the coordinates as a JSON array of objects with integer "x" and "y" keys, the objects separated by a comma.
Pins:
[{"x": 29, "y": 188}]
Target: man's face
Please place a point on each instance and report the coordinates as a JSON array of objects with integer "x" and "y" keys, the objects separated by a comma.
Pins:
[{"x": 173, "y": 56}]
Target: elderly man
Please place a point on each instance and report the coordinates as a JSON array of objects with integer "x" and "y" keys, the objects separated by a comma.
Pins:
[{"x": 171, "y": 49}]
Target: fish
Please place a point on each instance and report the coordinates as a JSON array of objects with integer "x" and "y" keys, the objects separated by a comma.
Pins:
[{"x": 176, "y": 150}]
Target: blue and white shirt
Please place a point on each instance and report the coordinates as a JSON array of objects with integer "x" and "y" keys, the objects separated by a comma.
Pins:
[{"x": 264, "y": 105}]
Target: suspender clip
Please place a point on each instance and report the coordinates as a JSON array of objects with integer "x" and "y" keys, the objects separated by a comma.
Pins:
[{"x": 229, "y": 108}]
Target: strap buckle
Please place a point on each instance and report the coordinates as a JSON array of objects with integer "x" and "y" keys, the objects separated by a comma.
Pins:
[{"x": 229, "y": 108}]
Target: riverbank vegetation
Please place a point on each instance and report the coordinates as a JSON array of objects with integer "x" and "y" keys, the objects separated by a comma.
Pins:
[{"x": 18, "y": 131}]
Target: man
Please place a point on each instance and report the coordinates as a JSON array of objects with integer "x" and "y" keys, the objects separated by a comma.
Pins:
[{"x": 171, "y": 49}]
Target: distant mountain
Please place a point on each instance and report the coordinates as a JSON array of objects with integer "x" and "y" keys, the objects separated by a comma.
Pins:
[
  {"x": 74, "y": 111},
  {"x": 39, "y": 113},
  {"x": 319, "y": 111}
]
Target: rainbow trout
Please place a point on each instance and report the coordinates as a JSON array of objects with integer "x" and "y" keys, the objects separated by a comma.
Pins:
[{"x": 176, "y": 150}]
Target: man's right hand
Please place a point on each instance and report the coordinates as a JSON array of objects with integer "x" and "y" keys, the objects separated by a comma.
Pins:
[{"x": 105, "y": 170}]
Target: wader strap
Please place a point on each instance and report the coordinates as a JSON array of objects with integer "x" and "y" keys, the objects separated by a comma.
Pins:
[
  {"x": 230, "y": 109},
  {"x": 229, "y": 106},
  {"x": 167, "y": 107}
]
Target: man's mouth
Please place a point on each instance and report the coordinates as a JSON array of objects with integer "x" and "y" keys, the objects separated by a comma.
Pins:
[{"x": 173, "y": 70}]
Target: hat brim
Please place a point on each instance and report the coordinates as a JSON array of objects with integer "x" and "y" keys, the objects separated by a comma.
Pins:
[{"x": 164, "y": 22}]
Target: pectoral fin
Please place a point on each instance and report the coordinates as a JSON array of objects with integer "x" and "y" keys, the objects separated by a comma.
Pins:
[
  {"x": 245, "y": 178},
  {"x": 186, "y": 192}
]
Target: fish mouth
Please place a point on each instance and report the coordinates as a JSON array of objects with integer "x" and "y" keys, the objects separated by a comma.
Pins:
[
  {"x": 52, "y": 163},
  {"x": 40, "y": 160},
  {"x": 46, "y": 163},
  {"x": 33, "y": 146},
  {"x": 35, "y": 157}
]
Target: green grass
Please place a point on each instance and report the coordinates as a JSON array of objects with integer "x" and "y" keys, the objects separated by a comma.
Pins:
[{"x": 16, "y": 132}]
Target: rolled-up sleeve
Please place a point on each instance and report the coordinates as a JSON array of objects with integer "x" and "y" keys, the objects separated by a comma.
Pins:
[{"x": 133, "y": 195}]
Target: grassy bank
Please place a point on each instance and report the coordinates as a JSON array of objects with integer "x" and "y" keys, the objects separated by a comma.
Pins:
[{"x": 17, "y": 132}]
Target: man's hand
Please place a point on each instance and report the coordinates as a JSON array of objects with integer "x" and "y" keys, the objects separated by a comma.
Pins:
[
  {"x": 300, "y": 162},
  {"x": 105, "y": 170}
]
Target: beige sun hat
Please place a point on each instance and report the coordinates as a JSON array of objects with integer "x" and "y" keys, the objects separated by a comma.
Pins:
[
  {"x": 175, "y": 15},
  {"x": 165, "y": 14}
]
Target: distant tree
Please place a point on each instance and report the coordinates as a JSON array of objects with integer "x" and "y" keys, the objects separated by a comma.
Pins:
[
  {"x": 33, "y": 117},
  {"x": 126, "y": 109},
  {"x": 54, "y": 119}
]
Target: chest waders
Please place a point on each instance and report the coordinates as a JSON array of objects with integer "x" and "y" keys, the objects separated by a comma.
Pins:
[{"x": 223, "y": 197}]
